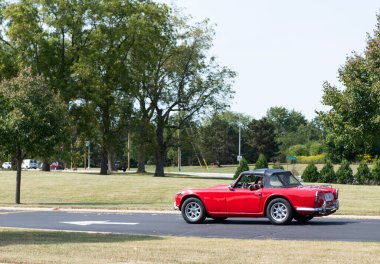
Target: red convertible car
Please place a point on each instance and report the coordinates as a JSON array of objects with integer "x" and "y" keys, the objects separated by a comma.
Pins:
[{"x": 272, "y": 193}]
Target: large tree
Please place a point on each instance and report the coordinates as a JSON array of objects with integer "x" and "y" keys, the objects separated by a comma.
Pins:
[
  {"x": 352, "y": 125},
  {"x": 32, "y": 119},
  {"x": 178, "y": 77}
]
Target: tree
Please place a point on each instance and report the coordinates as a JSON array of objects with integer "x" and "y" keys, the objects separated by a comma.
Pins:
[
  {"x": 327, "y": 173},
  {"x": 243, "y": 166},
  {"x": 262, "y": 138},
  {"x": 261, "y": 162},
  {"x": 352, "y": 125},
  {"x": 32, "y": 119},
  {"x": 344, "y": 173},
  {"x": 310, "y": 174},
  {"x": 219, "y": 137},
  {"x": 363, "y": 175},
  {"x": 177, "y": 77}
]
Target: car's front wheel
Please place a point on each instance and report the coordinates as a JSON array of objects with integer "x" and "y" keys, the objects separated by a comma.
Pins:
[
  {"x": 279, "y": 211},
  {"x": 193, "y": 211}
]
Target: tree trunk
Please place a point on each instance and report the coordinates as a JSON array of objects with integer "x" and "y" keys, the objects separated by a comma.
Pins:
[
  {"x": 45, "y": 165},
  {"x": 104, "y": 162},
  {"x": 18, "y": 178},
  {"x": 141, "y": 159},
  {"x": 161, "y": 151},
  {"x": 105, "y": 166}
]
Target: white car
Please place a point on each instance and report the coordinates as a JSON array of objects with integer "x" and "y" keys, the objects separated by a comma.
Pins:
[
  {"x": 7, "y": 165},
  {"x": 29, "y": 164}
]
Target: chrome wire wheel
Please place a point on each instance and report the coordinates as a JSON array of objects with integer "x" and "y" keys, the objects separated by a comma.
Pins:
[{"x": 279, "y": 211}]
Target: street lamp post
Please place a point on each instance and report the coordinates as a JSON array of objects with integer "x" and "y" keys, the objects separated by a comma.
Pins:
[
  {"x": 88, "y": 154},
  {"x": 239, "y": 156}
]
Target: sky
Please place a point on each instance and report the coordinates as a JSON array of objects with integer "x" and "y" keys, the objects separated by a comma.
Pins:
[{"x": 283, "y": 51}]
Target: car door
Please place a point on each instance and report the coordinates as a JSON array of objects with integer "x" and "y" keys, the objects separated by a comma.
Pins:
[{"x": 242, "y": 200}]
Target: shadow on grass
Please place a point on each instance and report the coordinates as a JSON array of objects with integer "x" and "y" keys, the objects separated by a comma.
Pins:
[{"x": 22, "y": 237}]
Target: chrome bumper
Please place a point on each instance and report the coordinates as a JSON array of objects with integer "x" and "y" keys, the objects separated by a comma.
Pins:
[
  {"x": 324, "y": 210},
  {"x": 175, "y": 207}
]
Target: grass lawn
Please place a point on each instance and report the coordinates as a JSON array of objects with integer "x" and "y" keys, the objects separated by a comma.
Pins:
[
  {"x": 132, "y": 191},
  {"x": 22, "y": 246}
]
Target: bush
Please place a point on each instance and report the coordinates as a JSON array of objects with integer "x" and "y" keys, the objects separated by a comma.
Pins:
[
  {"x": 375, "y": 172},
  {"x": 315, "y": 149},
  {"x": 310, "y": 174},
  {"x": 298, "y": 150},
  {"x": 321, "y": 158},
  {"x": 261, "y": 162},
  {"x": 344, "y": 173},
  {"x": 243, "y": 166},
  {"x": 363, "y": 174},
  {"x": 327, "y": 173}
]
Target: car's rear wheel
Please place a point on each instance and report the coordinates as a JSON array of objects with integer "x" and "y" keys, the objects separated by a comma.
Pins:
[
  {"x": 193, "y": 211},
  {"x": 303, "y": 218},
  {"x": 279, "y": 211}
]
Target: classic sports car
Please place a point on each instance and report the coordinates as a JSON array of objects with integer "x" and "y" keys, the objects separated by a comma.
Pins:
[{"x": 271, "y": 193}]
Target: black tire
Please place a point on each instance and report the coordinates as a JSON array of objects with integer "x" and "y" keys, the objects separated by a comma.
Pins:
[
  {"x": 279, "y": 211},
  {"x": 303, "y": 218},
  {"x": 193, "y": 211}
]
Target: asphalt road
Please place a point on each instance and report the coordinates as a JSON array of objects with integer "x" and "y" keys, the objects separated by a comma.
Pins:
[{"x": 158, "y": 224}]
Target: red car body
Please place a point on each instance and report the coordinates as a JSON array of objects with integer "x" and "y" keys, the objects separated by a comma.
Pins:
[{"x": 271, "y": 193}]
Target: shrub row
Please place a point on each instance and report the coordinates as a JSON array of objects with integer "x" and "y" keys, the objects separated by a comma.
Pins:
[{"x": 344, "y": 174}]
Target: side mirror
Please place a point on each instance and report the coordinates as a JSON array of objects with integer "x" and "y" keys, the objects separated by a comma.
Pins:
[{"x": 230, "y": 187}]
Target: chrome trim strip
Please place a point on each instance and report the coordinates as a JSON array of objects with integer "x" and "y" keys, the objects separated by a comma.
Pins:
[{"x": 175, "y": 207}]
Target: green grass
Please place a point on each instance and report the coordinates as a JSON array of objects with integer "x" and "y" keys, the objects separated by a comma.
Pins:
[
  {"x": 23, "y": 246},
  {"x": 132, "y": 191}
]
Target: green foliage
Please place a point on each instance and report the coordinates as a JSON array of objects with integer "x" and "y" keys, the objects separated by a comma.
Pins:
[
  {"x": 327, "y": 173},
  {"x": 375, "y": 173},
  {"x": 310, "y": 174},
  {"x": 352, "y": 124},
  {"x": 261, "y": 162},
  {"x": 262, "y": 138},
  {"x": 243, "y": 166},
  {"x": 315, "y": 148},
  {"x": 298, "y": 150},
  {"x": 363, "y": 175},
  {"x": 344, "y": 173}
]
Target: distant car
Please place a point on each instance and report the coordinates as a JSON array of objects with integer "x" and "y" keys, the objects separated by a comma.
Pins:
[
  {"x": 272, "y": 193},
  {"x": 7, "y": 165},
  {"x": 29, "y": 164},
  {"x": 57, "y": 165}
]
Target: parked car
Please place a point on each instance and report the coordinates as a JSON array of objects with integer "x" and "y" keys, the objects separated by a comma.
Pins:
[
  {"x": 57, "y": 165},
  {"x": 29, "y": 164},
  {"x": 7, "y": 165},
  {"x": 272, "y": 193}
]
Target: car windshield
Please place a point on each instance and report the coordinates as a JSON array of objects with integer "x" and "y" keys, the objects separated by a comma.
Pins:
[{"x": 284, "y": 179}]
